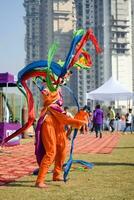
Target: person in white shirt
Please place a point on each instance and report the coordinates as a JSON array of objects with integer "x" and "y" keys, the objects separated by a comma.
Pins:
[
  {"x": 67, "y": 112},
  {"x": 67, "y": 127},
  {"x": 129, "y": 120}
]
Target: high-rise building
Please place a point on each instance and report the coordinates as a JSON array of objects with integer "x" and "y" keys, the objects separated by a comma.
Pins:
[
  {"x": 86, "y": 18},
  {"x": 121, "y": 41},
  {"x": 111, "y": 22},
  {"x": 63, "y": 26},
  {"x": 32, "y": 37},
  {"x": 47, "y": 21}
]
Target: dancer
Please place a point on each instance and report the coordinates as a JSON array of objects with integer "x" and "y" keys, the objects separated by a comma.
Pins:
[
  {"x": 50, "y": 131},
  {"x": 53, "y": 136},
  {"x": 83, "y": 114}
]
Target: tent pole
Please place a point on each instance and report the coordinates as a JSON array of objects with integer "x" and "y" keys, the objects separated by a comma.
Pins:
[
  {"x": 129, "y": 103},
  {"x": 93, "y": 104},
  {"x": 6, "y": 120}
]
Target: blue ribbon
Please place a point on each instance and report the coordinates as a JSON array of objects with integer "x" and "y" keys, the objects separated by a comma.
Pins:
[{"x": 67, "y": 166}]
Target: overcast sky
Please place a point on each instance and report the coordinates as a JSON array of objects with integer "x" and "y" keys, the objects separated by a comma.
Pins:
[{"x": 12, "y": 33}]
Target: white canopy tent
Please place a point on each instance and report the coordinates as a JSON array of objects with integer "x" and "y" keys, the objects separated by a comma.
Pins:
[{"x": 111, "y": 90}]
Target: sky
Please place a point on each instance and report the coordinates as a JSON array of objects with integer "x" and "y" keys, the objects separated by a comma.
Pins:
[{"x": 12, "y": 34}]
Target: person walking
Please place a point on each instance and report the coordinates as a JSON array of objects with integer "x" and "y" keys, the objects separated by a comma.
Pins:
[
  {"x": 129, "y": 119},
  {"x": 111, "y": 118},
  {"x": 117, "y": 122},
  {"x": 98, "y": 116}
]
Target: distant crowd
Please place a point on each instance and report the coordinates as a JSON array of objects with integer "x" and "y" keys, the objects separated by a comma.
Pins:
[{"x": 99, "y": 120}]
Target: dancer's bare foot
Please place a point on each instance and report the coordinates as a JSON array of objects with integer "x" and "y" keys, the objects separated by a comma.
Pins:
[{"x": 41, "y": 185}]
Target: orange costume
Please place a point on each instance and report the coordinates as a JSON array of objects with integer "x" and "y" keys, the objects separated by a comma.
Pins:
[
  {"x": 83, "y": 115},
  {"x": 53, "y": 136}
]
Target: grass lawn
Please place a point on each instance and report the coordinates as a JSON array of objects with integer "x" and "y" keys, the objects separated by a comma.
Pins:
[{"x": 112, "y": 178}]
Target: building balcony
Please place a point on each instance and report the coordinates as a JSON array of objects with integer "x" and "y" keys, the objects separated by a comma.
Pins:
[
  {"x": 116, "y": 48},
  {"x": 120, "y": 41},
  {"x": 120, "y": 30},
  {"x": 120, "y": 20},
  {"x": 120, "y": 26},
  {"x": 62, "y": 12},
  {"x": 123, "y": 22}
]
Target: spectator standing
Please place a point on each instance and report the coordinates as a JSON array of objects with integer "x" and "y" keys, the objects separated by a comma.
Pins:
[
  {"x": 98, "y": 116},
  {"x": 111, "y": 118}
]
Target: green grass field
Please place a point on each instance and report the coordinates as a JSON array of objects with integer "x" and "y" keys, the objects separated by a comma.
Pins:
[{"x": 112, "y": 178}]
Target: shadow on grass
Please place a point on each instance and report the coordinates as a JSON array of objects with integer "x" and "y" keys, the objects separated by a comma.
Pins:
[
  {"x": 113, "y": 164},
  {"x": 27, "y": 184}
]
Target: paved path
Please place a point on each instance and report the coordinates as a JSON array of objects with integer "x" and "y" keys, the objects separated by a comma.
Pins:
[
  {"x": 90, "y": 144},
  {"x": 18, "y": 161}
]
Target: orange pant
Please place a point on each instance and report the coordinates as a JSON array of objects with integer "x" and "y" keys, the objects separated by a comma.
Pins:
[
  {"x": 54, "y": 141},
  {"x": 83, "y": 115}
]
